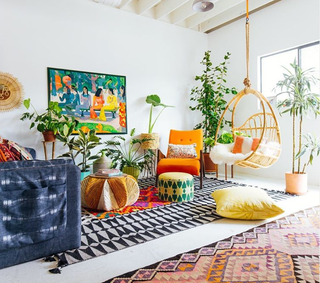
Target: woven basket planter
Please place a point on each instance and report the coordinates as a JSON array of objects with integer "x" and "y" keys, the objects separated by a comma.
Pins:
[{"x": 151, "y": 144}]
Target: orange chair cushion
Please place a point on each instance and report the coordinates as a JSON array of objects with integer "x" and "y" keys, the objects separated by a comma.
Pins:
[{"x": 187, "y": 165}]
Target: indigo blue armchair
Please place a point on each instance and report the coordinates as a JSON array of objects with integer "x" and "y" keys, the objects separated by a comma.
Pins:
[{"x": 40, "y": 212}]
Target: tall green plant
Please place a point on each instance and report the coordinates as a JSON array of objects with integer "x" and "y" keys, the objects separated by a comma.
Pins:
[
  {"x": 209, "y": 97},
  {"x": 300, "y": 102}
]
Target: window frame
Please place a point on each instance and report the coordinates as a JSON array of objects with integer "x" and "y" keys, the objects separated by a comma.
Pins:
[{"x": 298, "y": 48}]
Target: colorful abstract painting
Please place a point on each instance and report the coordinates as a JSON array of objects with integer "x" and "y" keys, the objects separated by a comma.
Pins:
[{"x": 97, "y": 100}]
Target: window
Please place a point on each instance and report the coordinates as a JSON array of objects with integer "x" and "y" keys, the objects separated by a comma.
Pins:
[{"x": 271, "y": 66}]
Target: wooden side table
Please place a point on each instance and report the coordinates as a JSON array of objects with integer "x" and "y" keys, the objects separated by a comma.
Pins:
[{"x": 45, "y": 148}]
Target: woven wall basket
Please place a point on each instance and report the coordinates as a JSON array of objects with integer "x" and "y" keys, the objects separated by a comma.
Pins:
[
  {"x": 11, "y": 92},
  {"x": 152, "y": 144}
]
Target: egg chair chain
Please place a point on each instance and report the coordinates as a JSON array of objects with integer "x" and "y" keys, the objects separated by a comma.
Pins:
[{"x": 246, "y": 81}]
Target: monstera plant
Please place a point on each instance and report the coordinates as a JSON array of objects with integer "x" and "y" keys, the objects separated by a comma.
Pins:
[{"x": 153, "y": 138}]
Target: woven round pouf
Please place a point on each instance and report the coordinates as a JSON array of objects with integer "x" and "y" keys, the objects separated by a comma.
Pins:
[
  {"x": 101, "y": 193},
  {"x": 176, "y": 187}
]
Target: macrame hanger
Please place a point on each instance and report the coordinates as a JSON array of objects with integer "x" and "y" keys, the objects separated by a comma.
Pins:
[{"x": 246, "y": 81}]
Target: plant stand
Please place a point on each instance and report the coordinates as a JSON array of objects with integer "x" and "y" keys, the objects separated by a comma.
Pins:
[
  {"x": 153, "y": 166},
  {"x": 45, "y": 148}
]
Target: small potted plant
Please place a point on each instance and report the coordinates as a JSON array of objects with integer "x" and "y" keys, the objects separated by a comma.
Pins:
[
  {"x": 153, "y": 138},
  {"x": 128, "y": 156},
  {"x": 298, "y": 183},
  {"x": 80, "y": 145},
  {"x": 48, "y": 123},
  {"x": 299, "y": 103}
]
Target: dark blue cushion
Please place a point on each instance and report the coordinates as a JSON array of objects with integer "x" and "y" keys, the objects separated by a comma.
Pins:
[{"x": 32, "y": 201}]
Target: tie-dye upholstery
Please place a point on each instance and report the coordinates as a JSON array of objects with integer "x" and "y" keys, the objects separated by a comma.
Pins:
[{"x": 39, "y": 209}]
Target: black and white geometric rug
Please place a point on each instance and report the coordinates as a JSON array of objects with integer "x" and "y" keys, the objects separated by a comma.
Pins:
[{"x": 103, "y": 236}]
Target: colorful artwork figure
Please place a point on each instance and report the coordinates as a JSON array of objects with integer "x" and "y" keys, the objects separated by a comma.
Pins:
[{"x": 98, "y": 101}]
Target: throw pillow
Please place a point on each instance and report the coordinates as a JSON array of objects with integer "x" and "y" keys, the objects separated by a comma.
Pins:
[
  {"x": 182, "y": 151},
  {"x": 245, "y": 203},
  {"x": 270, "y": 148},
  {"x": 245, "y": 144},
  {"x": 11, "y": 151}
]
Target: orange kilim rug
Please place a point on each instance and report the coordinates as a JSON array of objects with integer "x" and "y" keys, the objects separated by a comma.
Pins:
[
  {"x": 285, "y": 250},
  {"x": 147, "y": 199}
]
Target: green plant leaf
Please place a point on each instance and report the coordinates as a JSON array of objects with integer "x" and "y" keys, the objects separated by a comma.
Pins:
[{"x": 26, "y": 103}]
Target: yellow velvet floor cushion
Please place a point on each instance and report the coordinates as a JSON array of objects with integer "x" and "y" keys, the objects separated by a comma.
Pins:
[{"x": 245, "y": 203}]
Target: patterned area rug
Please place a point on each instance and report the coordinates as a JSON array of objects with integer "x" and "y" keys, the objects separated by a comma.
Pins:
[
  {"x": 147, "y": 199},
  {"x": 286, "y": 250},
  {"x": 103, "y": 236}
]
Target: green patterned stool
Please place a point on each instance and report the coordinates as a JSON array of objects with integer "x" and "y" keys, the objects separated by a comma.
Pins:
[{"x": 175, "y": 187}]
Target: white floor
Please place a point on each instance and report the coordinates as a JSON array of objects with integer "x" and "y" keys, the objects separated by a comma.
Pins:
[{"x": 105, "y": 267}]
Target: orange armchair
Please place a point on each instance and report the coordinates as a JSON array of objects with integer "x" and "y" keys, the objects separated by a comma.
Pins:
[{"x": 193, "y": 166}]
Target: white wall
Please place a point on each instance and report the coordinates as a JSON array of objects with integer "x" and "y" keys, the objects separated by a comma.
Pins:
[
  {"x": 82, "y": 35},
  {"x": 286, "y": 24}
]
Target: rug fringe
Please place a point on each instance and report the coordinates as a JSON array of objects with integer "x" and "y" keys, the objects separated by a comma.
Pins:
[
  {"x": 55, "y": 270},
  {"x": 60, "y": 264}
]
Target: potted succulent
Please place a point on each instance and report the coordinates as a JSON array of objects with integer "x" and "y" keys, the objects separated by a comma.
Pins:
[
  {"x": 153, "y": 138},
  {"x": 48, "y": 123},
  {"x": 128, "y": 156},
  {"x": 80, "y": 145},
  {"x": 300, "y": 102},
  {"x": 209, "y": 99}
]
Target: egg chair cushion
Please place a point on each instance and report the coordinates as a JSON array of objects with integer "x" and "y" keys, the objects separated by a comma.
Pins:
[{"x": 222, "y": 153}]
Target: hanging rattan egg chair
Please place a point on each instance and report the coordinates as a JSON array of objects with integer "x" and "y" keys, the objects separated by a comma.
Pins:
[{"x": 262, "y": 125}]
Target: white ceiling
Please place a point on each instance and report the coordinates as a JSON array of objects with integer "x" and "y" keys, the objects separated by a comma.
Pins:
[{"x": 179, "y": 12}]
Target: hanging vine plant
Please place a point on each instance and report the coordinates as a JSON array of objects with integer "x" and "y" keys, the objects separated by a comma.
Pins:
[{"x": 209, "y": 97}]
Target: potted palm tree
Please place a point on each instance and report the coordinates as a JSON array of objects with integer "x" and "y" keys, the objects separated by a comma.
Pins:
[
  {"x": 209, "y": 99},
  {"x": 128, "y": 156},
  {"x": 299, "y": 103},
  {"x": 153, "y": 138}
]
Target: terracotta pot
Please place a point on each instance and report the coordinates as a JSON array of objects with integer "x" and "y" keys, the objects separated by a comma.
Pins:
[
  {"x": 209, "y": 166},
  {"x": 296, "y": 183},
  {"x": 152, "y": 144},
  {"x": 49, "y": 136},
  {"x": 133, "y": 171}
]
